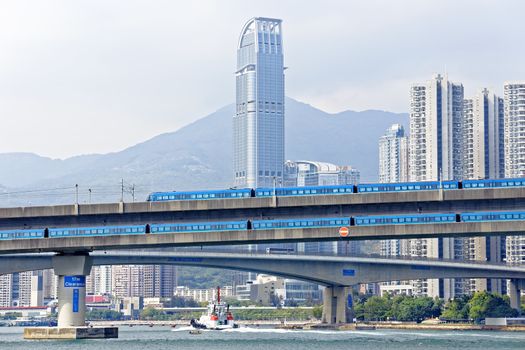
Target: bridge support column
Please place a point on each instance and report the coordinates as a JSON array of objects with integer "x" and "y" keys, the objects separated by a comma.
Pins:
[
  {"x": 335, "y": 304},
  {"x": 515, "y": 287},
  {"x": 72, "y": 271}
]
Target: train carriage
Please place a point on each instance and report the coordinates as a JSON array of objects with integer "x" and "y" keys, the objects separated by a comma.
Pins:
[
  {"x": 199, "y": 227},
  {"x": 300, "y": 223},
  {"x": 200, "y": 195},
  {"x": 377, "y": 220},
  {"x": 304, "y": 191},
  {"x": 493, "y": 183},
  {"x": 492, "y": 216},
  {"x": 22, "y": 234},
  {"x": 408, "y": 186},
  {"x": 96, "y": 231}
]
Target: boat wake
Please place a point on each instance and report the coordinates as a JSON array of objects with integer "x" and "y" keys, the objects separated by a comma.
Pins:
[{"x": 263, "y": 330}]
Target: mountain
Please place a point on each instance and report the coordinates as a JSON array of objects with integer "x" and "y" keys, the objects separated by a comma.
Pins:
[{"x": 198, "y": 155}]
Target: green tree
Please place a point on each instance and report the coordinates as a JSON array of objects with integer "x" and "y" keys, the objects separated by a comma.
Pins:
[
  {"x": 485, "y": 304},
  {"x": 457, "y": 309},
  {"x": 416, "y": 309},
  {"x": 377, "y": 308},
  {"x": 103, "y": 315},
  {"x": 151, "y": 313},
  {"x": 317, "y": 311},
  {"x": 178, "y": 301}
]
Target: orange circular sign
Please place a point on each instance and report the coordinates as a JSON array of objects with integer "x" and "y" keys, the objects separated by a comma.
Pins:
[{"x": 343, "y": 231}]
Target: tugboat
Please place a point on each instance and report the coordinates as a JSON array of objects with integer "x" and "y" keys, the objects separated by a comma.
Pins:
[{"x": 217, "y": 317}]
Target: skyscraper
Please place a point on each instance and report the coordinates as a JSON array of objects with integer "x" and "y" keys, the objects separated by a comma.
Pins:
[
  {"x": 393, "y": 155},
  {"x": 258, "y": 123},
  {"x": 435, "y": 153},
  {"x": 393, "y": 167},
  {"x": 483, "y": 157},
  {"x": 514, "y": 95},
  {"x": 436, "y": 118}
]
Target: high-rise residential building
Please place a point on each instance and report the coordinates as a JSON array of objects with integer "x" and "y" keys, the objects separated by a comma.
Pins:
[
  {"x": 6, "y": 290},
  {"x": 393, "y": 155},
  {"x": 99, "y": 280},
  {"x": 143, "y": 281},
  {"x": 435, "y": 153},
  {"x": 393, "y": 167},
  {"x": 258, "y": 123},
  {"x": 514, "y": 95},
  {"x": 436, "y": 126},
  {"x": 483, "y": 157},
  {"x": 50, "y": 284},
  {"x": 21, "y": 289}
]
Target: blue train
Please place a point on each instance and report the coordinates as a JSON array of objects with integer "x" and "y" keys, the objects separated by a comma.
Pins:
[
  {"x": 244, "y": 225},
  {"x": 334, "y": 189},
  {"x": 492, "y": 216},
  {"x": 404, "y": 219}
]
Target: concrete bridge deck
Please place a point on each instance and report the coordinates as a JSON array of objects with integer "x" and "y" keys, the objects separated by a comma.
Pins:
[
  {"x": 259, "y": 208},
  {"x": 93, "y": 243},
  {"x": 337, "y": 273}
]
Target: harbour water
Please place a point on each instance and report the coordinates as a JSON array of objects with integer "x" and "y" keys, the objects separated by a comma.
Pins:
[{"x": 160, "y": 338}]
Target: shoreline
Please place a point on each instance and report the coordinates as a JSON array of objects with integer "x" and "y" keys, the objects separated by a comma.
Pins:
[{"x": 296, "y": 325}]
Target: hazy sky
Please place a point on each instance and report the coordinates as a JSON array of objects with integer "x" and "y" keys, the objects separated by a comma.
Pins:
[{"x": 82, "y": 77}]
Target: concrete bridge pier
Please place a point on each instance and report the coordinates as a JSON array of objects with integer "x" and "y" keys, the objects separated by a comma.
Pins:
[
  {"x": 335, "y": 308},
  {"x": 515, "y": 288},
  {"x": 72, "y": 270}
]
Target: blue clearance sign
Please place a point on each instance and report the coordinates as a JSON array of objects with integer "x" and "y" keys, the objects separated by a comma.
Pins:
[
  {"x": 74, "y": 281},
  {"x": 76, "y": 295},
  {"x": 348, "y": 272}
]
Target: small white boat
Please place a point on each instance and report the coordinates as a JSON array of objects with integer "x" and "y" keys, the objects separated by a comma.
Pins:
[{"x": 217, "y": 317}]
